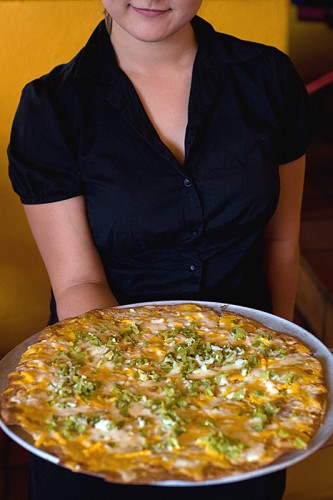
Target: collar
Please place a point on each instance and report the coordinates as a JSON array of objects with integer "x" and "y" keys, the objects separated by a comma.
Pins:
[{"x": 97, "y": 61}]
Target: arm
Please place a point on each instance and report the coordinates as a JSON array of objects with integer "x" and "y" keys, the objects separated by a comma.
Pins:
[
  {"x": 282, "y": 240},
  {"x": 61, "y": 231}
]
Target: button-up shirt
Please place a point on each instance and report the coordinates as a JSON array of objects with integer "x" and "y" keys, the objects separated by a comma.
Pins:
[{"x": 166, "y": 230}]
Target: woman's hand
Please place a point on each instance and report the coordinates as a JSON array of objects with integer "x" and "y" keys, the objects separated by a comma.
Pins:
[
  {"x": 282, "y": 240},
  {"x": 62, "y": 233}
]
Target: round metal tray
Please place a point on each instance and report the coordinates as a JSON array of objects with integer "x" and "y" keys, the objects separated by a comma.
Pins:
[{"x": 322, "y": 353}]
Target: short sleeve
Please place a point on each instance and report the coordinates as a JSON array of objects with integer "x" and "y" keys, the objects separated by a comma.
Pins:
[
  {"x": 42, "y": 161},
  {"x": 295, "y": 121}
]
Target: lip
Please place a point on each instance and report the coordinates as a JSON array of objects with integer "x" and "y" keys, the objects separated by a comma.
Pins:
[{"x": 150, "y": 12}]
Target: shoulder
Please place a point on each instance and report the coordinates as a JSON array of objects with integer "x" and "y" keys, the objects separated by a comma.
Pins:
[
  {"x": 52, "y": 93},
  {"x": 256, "y": 71},
  {"x": 56, "y": 83},
  {"x": 229, "y": 51},
  {"x": 233, "y": 51},
  {"x": 65, "y": 79}
]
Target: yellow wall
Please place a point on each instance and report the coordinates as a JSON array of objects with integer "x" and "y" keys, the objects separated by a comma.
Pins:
[
  {"x": 263, "y": 21},
  {"x": 34, "y": 37}
]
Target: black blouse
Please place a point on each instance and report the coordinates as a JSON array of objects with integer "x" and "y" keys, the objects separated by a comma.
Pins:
[{"x": 165, "y": 230}]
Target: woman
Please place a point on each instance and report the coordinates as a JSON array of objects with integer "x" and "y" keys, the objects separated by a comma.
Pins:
[{"x": 167, "y": 164}]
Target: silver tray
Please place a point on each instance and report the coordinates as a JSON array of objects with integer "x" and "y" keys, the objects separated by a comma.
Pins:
[{"x": 11, "y": 360}]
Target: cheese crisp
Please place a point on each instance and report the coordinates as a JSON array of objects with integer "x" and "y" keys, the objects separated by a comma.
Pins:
[{"x": 166, "y": 392}]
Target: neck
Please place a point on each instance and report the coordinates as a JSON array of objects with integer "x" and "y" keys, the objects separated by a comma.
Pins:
[{"x": 148, "y": 58}]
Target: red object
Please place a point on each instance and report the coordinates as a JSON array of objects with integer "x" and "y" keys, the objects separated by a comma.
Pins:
[
  {"x": 320, "y": 83},
  {"x": 312, "y": 13}
]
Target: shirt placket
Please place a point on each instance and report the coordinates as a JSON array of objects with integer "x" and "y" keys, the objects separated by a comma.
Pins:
[{"x": 126, "y": 100}]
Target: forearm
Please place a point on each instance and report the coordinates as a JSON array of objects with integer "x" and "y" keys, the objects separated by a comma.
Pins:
[
  {"x": 63, "y": 236},
  {"x": 78, "y": 299},
  {"x": 282, "y": 260},
  {"x": 282, "y": 240}
]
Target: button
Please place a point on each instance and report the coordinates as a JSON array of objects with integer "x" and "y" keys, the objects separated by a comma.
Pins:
[
  {"x": 194, "y": 267},
  {"x": 187, "y": 183}
]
